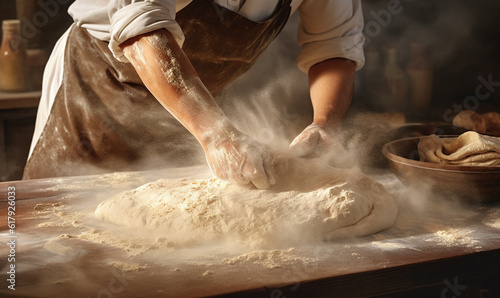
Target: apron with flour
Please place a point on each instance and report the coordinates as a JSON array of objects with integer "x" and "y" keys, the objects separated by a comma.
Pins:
[{"x": 104, "y": 119}]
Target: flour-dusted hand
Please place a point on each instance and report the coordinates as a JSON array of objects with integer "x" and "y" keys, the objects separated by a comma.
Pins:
[
  {"x": 236, "y": 157},
  {"x": 313, "y": 141}
]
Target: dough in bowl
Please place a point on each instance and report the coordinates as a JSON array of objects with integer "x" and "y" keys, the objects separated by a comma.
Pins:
[{"x": 469, "y": 149}]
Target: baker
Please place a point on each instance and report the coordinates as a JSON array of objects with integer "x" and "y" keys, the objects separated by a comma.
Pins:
[{"x": 131, "y": 83}]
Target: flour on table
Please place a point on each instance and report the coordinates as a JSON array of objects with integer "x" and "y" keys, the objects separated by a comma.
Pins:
[
  {"x": 56, "y": 247},
  {"x": 270, "y": 259},
  {"x": 454, "y": 237},
  {"x": 492, "y": 219},
  {"x": 494, "y": 223},
  {"x": 309, "y": 202}
]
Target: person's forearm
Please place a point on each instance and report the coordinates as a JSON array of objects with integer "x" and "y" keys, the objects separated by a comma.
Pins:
[
  {"x": 170, "y": 77},
  {"x": 331, "y": 86}
]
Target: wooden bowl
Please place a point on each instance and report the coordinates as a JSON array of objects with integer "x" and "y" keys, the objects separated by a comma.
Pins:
[{"x": 471, "y": 183}]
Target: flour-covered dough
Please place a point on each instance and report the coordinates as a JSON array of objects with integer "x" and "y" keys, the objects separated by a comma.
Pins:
[
  {"x": 469, "y": 149},
  {"x": 309, "y": 202}
]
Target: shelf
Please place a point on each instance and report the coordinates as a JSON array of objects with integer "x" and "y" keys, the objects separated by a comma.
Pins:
[{"x": 19, "y": 100}]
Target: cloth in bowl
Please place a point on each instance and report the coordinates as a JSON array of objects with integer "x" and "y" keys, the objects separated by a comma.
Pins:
[{"x": 469, "y": 149}]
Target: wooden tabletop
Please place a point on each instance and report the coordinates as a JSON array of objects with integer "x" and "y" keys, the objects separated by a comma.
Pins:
[{"x": 436, "y": 247}]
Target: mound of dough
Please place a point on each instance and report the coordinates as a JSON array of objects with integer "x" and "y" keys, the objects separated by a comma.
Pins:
[
  {"x": 309, "y": 202},
  {"x": 469, "y": 149}
]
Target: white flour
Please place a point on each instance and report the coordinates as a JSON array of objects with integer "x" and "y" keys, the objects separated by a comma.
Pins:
[
  {"x": 492, "y": 219},
  {"x": 269, "y": 259},
  {"x": 453, "y": 237}
]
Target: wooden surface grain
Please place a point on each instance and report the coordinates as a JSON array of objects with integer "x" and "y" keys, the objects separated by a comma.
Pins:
[{"x": 63, "y": 249}]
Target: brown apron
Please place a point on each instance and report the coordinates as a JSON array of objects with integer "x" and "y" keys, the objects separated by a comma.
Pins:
[{"x": 104, "y": 119}]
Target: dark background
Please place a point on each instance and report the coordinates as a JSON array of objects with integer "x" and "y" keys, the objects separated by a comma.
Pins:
[{"x": 464, "y": 42}]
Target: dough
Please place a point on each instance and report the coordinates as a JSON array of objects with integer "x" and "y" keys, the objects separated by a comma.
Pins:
[
  {"x": 310, "y": 201},
  {"x": 469, "y": 149},
  {"x": 470, "y": 120},
  {"x": 493, "y": 123},
  {"x": 482, "y": 123}
]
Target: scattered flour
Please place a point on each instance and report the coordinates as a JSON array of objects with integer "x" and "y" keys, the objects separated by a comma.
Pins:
[
  {"x": 128, "y": 267},
  {"x": 133, "y": 246},
  {"x": 56, "y": 247},
  {"x": 387, "y": 245},
  {"x": 269, "y": 258},
  {"x": 207, "y": 273},
  {"x": 454, "y": 237},
  {"x": 45, "y": 206},
  {"x": 493, "y": 223},
  {"x": 493, "y": 219}
]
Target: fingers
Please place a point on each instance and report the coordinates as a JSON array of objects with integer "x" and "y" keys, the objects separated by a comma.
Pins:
[
  {"x": 263, "y": 176},
  {"x": 260, "y": 179},
  {"x": 242, "y": 161},
  {"x": 305, "y": 144},
  {"x": 239, "y": 178},
  {"x": 314, "y": 141},
  {"x": 270, "y": 169}
]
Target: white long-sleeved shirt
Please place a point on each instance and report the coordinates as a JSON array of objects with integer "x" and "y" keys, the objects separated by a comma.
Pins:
[{"x": 327, "y": 29}]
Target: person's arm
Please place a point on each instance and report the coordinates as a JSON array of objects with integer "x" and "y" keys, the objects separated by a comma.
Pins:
[
  {"x": 331, "y": 85},
  {"x": 169, "y": 76},
  {"x": 330, "y": 35}
]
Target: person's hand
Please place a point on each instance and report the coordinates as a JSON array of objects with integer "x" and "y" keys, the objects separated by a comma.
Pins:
[
  {"x": 234, "y": 156},
  {"x": 314, "y": 141}
]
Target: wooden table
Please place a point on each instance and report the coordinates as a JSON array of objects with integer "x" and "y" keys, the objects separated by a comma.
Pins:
[{"x": 437, "y": 248}]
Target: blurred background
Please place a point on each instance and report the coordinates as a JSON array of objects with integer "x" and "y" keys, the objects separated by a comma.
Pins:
[{"x": 461, "y": 42}]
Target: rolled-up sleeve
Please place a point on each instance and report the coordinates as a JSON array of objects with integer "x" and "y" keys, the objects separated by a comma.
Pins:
[
  {"x": 330, "y": 29},
  {"x": 132, "y": 18}
]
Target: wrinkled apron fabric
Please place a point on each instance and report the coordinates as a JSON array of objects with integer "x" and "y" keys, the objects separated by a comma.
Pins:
[{"x": 104, "y": 119}]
